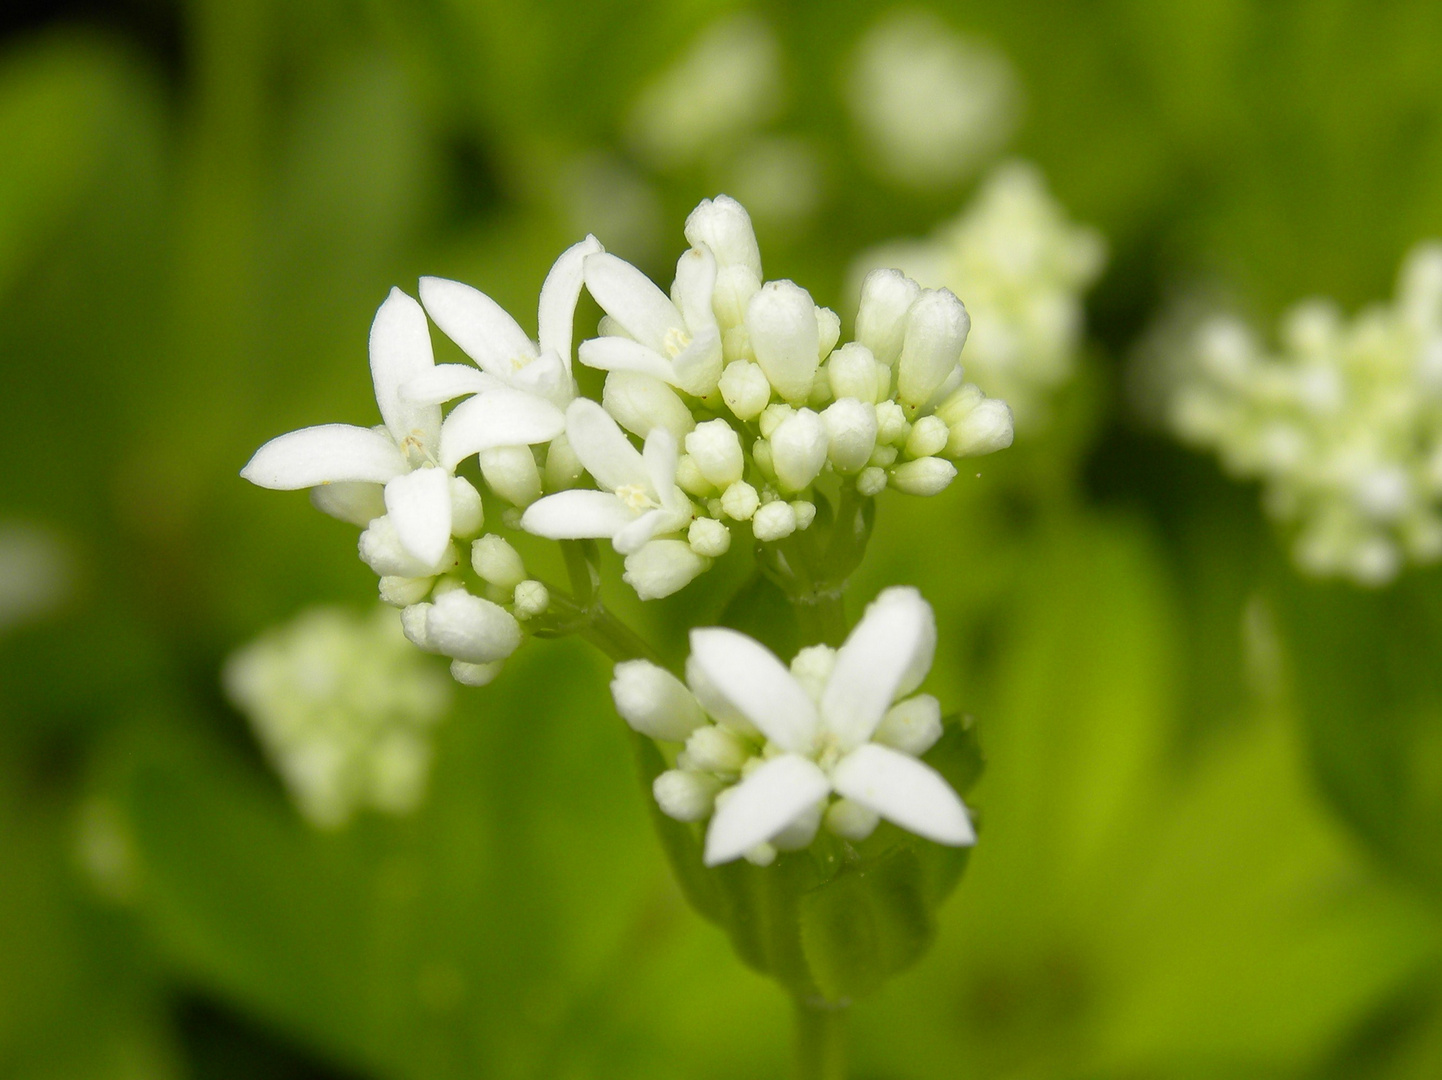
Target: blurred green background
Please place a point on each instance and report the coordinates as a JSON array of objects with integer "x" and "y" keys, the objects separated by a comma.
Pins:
[{"x": 1212, "y": 838}]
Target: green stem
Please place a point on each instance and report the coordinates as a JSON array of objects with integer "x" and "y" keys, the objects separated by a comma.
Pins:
[
  {"x": 614, "y": 638},
  {"x": 820, "y": 1040},
  {"x": 821, "y": 615}
]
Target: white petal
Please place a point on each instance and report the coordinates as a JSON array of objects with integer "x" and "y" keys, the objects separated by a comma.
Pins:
[
  {"x": 419, "y": 505},
  {"x": 698, "y": 366},
  {"x": 904, "y": 791},
  {"x": 603, "y": 447},
  {"x": 559, "y": 294},
  {"x": 577, "y": 515},
  {"x": 660, "y": 454},
  {"x": 762, "y": 805},
  {"x": 757, "y": 685},
  {"x": 325, "y": 454},
  {"x": 502, "y": 417},
  {"x": 400, "y": 350},
  {"x": 479, "y": 325},
  {"x": 632, "y": 299},
  {"x": 695, "y": 284},
  {"x": 623, "y": 354},
  {"x": 547, "y": 377},
  {"x": 446, "y": 382},
  {"x": 886, "y": 655},
  {"x": 357, "y": 503},
  {"x": 637, "y": 534}
]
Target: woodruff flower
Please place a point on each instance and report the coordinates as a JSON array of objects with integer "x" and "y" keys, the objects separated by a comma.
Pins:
[{"x": 773, "y": 754}]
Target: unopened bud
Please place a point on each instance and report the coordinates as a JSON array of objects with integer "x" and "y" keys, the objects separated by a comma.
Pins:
[
  {"x": 354, "y": 501},
  {"x": 563, "y": 467},
  {"x": 380, "y": 549},
  {"x": 655, "y": 702},
  {"x": 740, "y": 501},
  {"x": 532, "y": 598},
  {"x": 871, "y": 481},
  {"x": 774, "y": 521},
  {"x": 987, "y": 428},
  {"x": 712, "y": 748},
  {"x": 924, "y": 476},
  {"x": 413, "y": 625},
  {"x": 812, "y": 666},
  {"x": 884, "y": 456},
  {"x": 640, "y": 402},
  {"x": 716, "y": 449},
  {"x": 911, "y": 726},
  {"x": 497, "y": 562},
  {"x": 850, "y": 433},
  {"x": 805, "y": 513},
  {"x": 745, "y": 389},
  {"x": 709, "y": 537},
  {"x": 850, "y": 820},
  {"x": 928, "y": 436},
  {"x": 828, "y": 331},
  {"x": 781, "y": 319},
  {"x": 467, "y": 514},
  {"x": 692, "y": 480},
  {"x": 468, "y": 674},
  {"x": 771, "y": 418},
  {"x": 404, "y": 591},
  {"x": 886, "y": 296},
  {"x": 854, "y": 373},
  {"x": 466, "y": 627},
  {"x": 936, "y": 329},
  {"x": 686, "y": 796},
  {"x": 761, "y": 454},
  {"x": 724, "y": 226},
  {"x": 512, "y": 474},
  {"x": 735, "y": 286},
  {"x": 798, "y": 449},
  {"x": 892, "y": 425},
  {"x": 662, "y": 567}
]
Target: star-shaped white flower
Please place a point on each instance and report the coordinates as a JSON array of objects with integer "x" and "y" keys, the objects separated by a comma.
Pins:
[
  {"x": 640, "y": 498},
  {"x": 675, "y": 338},
  {"x": 823, "y": 745}
]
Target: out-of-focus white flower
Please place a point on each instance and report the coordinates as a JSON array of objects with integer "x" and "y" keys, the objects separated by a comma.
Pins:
[
  {"x": 344, "y": 707},
  {"x": 1342, "y": 424},
  {"x": 37, "y": 573},
  {"x": 930, "y": 105},
  {"x": 832, "y": 741}
]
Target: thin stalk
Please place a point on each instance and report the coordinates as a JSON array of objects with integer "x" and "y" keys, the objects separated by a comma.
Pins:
[
  {"x": 614, "y": 638},
  {"x": 820, "y": 1040},
  {"x": 821, "y": 616}
]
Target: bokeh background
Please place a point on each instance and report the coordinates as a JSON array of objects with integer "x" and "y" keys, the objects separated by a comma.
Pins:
[{"x": 1212, "y": 815}]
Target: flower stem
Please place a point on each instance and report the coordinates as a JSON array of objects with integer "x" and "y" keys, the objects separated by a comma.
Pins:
[
  {"x": 820, "y": 1040},
  {"x": 821, "y": 615},
  {"x": 614, "y": 638}
]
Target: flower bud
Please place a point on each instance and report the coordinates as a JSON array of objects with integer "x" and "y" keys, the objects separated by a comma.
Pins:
[
  {"x": 851, "y": 821},
  {"x": 639, "y": 402},
  {"x": 655, "y": 702},
  {"x": 854, "y": 373},
  {"x": 886, "y": 296},
  {"x": 798, "y": 449},
  {"x": 381, "y": 550},
  {"x": 735, "y": 286},
  {"x": 467, "y": 514},
  {"x": 928, "y": 436},
  {"x": 404, "y": 591},
  {"x": 771, "y": 418},
  {"x": 686, "y": 796},
  {"x": 466, "y": 627},
  {"x": 497, "y": 562},
  {"x": 354, "y": 501},
  {"x": 828, "y": 331},
  {"x": 712, "y": 748},
  {"x": 761, "y": 454},
  {"x": 745, "y": 389},
  {"x": 532, "y": 598},
  {"x": 563, "y": 467},
  {"x": 723, "y": 225},
  {"x": 812, "y": 666},
  {"x": 716, "y": 449},
  {"x": 740, "y": 500},
  {"x": 774, "y": 521},
  {"x": 884, "y": 456},
  {"x": 512, "y": 474},
  {"x": 805, "y": 513},
  {"x": 936, "y": 329},
  {"x": 871, "y": 481},
  {"x": 709, "y": 537},
  {"x": 781, "y": 319},
  {"x": 850, "y": 433},
  {"x": 736, "y": 345},
  {"x": 662, "y": 567},
  {"x": 924, "y": 476},
  {"x": 986, "y": 428},
  {"x": 911, "y": 726},
  {"x": 468, "y": 674},
  {"x": 692, "y": 480},
  {"x": 891, "y": 423},
  {"x": 413, "y": 625}
]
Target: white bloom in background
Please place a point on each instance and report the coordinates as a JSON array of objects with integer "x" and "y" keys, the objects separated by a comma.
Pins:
[
  {"x": 832, "y": 741},
  {"x": 37, "y": 573},
  {"x": 930, "y": 106},
  {"x": 344, "y": 707},
  {"x": 1022, "y": 269},
  {"x": 1342, "y": 424}
]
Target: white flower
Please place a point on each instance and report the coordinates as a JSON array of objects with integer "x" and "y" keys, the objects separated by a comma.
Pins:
[
  {"x": 640, "y": 499},
  {"x": 822, "y": 727}
]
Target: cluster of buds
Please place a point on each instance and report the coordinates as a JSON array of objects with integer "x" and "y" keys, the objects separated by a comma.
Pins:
[
  {"x": 1342, "y": 425},
  {"x": 344, "y": 707},
  {"x": 1023, "y": 267},
  {"x": 770, "y": 754}
]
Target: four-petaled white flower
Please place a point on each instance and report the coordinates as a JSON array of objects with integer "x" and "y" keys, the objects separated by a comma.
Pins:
[
  {"x": 678, "y": 342},
  {"x": 640, "y": 500}
]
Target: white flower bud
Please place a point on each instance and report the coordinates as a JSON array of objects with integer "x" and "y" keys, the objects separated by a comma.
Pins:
[
  {"x": 884, "y": 456},
  {"x": 798, "y": 449},
  {"x": 851, "y": 821},
  {"x": 740, "y": 501},
  {"x": 609, "y": 327},
  {"x": 356, "y": 502},
  {"x": 929, "y": 436},
  {"x": 911, "y": 726},
  {"x": 850, "y": 433},
  {"x": 936, "y": 329},
  {"x": 781, "y": 319},
  {"x": 468, "y": 674},
  {"x": 413, "y": 625},
  {"x": 640, "y": 402},
  {"x": 512, "y": 474},
  {"x": 467, "y": 513},
  {"x": 712, "y": 748},
  {"x": 691, "y": 479},
  {"x": 497, "y": 562},
  {"x": 760, "y": 855},
  {"x": 709, "y": 537},
  {"x": 761, "y": 454},
  {"x": 563, "y": 467},
  {"x": 449, "y": 583},
  {"x": 828, "y": 331},
  {"x": 736, "y": 345},
  {"x": 745, "y": 389},
  {"x": 924, "y": 476},
  {"x": 655, "y": 702},
  {"x": 854, "y": 373},
  {"x": 771, "y": 418},
  {"x": 735, "y": 286},
  {"x": 404, "y": 591},
  {"x": 886, "y": 297},
  {"x": 686, "y": 796},
  {"x": 812, "y": 666},
  {"x": 662, "y": 567},
  {"x": 716, "y": 449},
  {"x": 805, "y": 513},
  {"x": 466, "y": 627},
  {"x": 723, "y": 225},
  {"x": 891, "y": 423},
  {"x": 871, "y": 481},
  {"x": 532, "y": 598},
  {"x": 381, "y": 550},
  {"x": 774, "y": 521},
  {"x": 987, "y": 428}
]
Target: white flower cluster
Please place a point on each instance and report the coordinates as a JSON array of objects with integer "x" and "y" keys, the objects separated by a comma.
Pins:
[
  {"x": 1343, "y": 425},
  {"x": 343, "y": 706},
  {"x": 1023, "y": 268},
  {"x": 772, "y": 755}
]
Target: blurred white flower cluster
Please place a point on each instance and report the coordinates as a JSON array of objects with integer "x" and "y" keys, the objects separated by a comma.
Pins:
[
  {"x": 1022, "y": 267},
  {"x": 1342, "y": 424},
  {"x": 343, "y": 705},
  {"x": 772, "y": 754}
]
